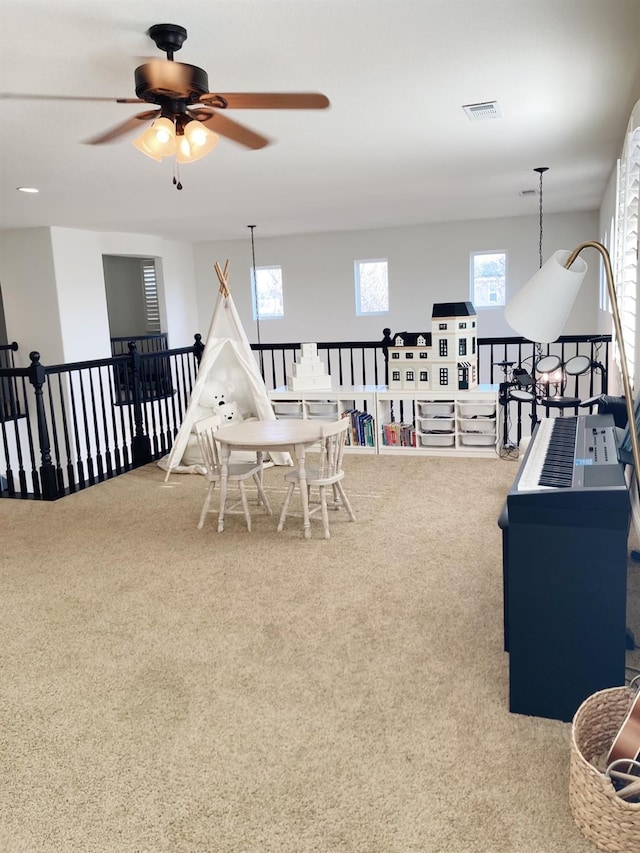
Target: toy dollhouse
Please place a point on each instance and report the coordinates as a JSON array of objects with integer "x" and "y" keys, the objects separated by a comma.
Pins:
[{"x": 446, "y": 358}]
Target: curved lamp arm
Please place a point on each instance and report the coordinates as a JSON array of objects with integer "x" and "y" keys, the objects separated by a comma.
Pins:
[{"x": 617, "y": 325}]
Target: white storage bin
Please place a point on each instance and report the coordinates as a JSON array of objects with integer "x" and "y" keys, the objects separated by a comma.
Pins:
[
  {"x": 438, "y": 424},
  {"x": 320, "y": 408},
  {"x": 435, "y": 407},
  {"x": 483, "y": 425},
  {"x": 476, "y": 408},
  {"x": 474, "y": 438},
  {"x": 430, "y": 439},
  {"x": 288, "y": 409}
]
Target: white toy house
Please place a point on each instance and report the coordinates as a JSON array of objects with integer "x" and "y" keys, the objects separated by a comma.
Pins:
[{"x": 444, "y": 359}]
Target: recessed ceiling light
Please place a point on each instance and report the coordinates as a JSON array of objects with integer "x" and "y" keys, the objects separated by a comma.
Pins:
[{"x": 27, "y": 190}]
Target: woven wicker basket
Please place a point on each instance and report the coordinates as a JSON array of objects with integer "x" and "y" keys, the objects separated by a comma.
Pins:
[{"x": 606, "y": 820}]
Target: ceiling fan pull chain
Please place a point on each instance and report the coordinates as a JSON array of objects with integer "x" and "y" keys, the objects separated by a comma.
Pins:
[{"x": 176, "y": 175}]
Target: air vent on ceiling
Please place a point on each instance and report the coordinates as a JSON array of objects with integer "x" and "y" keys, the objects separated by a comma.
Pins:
[
  {"x": 478, "y": 112},
  {"x": 527, "y": 193}
]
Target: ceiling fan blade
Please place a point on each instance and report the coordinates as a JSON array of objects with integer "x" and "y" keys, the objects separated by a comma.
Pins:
[
  {"x": 12, "y": 96},
  {"x": 229, "y": 128},
  {"x": 123, "y": 128},
  {"x": 266, "y": 100}
]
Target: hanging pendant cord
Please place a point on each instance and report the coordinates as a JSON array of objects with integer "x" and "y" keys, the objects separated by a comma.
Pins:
[
  {"x": 541, "y": 170},
  {"x": 538, "y": 347},
  {"x": 255, "y": 293}
]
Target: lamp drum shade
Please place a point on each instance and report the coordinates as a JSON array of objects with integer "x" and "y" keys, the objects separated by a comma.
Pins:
[{"x": 540, "y": 310}]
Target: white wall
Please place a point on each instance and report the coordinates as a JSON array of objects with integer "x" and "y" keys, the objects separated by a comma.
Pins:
[
  {"x": 82, "y": 300},
  {"x": 28, "y": 281},
  {"x": 55, "y": 300},
  {"x": 54, "y": 294},
  {"x": 125, "y": 296},
  {"x": 175, "y": 276},
  {"x": 427, "y": 264}
]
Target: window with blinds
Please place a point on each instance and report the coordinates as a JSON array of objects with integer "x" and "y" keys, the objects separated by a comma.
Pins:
[
  {"x": 626, "y": 253},
  {"x": 151, "y": 303}
]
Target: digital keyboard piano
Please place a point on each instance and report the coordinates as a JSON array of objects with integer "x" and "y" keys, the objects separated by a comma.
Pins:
[{"x": 565, "y": 567}]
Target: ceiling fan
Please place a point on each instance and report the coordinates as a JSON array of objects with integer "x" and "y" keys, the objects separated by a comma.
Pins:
[{"x": 188, "y": 116}]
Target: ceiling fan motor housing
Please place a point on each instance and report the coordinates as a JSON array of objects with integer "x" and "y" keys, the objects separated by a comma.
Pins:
[
  {"x": 168, "y": 37},
  {"x": 158, "y": 80}
]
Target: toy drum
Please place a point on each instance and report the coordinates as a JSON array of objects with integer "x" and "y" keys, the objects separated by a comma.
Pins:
[
  {"x": 577, "y": 365},
  {"x": 548, "y": 363}
]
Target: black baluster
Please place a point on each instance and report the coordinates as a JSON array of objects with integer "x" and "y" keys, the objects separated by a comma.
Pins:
[
  {"x": 141, "y": 445},
  {"x": 198, "y": 347},
  {"x": 37, "y": 377},
  {"x": 386, "y": 343}
]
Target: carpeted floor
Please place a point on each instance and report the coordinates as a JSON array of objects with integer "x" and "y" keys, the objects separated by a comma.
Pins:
[{"x": 169, "y": 689}]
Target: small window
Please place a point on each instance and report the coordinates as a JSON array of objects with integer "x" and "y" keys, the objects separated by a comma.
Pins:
[
  {"x": 150, "y": 292},
  {"x": 442, "y": 327},
  {"x": 443, "y": 348},
  {"x": 396, "y": 376},
  {"x": 444, "y": 375},
  {"x": 462, "y": 325},
  {"x": 267, "y": 293},
  {"x": 462, "y": 346},
  {"x": 424, "y": 376},
  {"x": 372, "y": 287},
  {"x": 409, "y": 355},
  {"x": 488, "y": 279},
  {"x": 424, "y": 354},
  {"x": 395, "y": 355},
  {"x": 410, "y": 375}
]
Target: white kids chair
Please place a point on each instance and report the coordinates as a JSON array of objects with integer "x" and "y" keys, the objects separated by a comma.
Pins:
[
  {"x": 238, "y": 471},
  {"x": 327, "y": 473}
]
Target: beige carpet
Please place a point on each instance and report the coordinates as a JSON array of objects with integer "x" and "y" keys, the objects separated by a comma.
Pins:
[{"x": 169, "y": 689}]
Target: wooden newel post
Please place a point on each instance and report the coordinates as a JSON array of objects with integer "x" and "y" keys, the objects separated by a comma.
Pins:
[
  {"x": 141, "y": 444},
  {"x": 48, "y": 482},
  {"x": 198, "y": 347},
  {"x": 387, "y": 340}
]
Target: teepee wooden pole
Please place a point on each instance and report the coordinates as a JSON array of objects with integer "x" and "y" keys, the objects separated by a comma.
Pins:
[{"x": 222, "y": 277}]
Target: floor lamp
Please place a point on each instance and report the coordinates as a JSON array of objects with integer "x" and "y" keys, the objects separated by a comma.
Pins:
[{"x": 539, "y": 312}]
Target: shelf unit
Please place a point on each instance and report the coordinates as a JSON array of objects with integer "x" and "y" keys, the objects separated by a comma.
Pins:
[
  {"x": 442, "y": 423},
  {"x": 358, "y": 402},
  {"x": 460, "y": 423}
]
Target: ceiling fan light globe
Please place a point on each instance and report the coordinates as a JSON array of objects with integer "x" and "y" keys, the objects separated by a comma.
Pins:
[
  {"x": 161, "y": 137},
  {"x": 183, "y": 153},
  {"x": 196, "y": 132},
  {"x": 197, "y": 141},
  {"x": 142, "y": 146}
]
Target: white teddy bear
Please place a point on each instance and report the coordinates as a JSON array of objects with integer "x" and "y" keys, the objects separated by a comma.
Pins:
[
  {"x": 213, "y": 397},
  {"x": 229, "y": 413},
  {"x": 213, "y": 400}
]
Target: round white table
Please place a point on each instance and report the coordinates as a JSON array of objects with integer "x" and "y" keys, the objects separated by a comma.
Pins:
[{"x": 287, "y": 434}]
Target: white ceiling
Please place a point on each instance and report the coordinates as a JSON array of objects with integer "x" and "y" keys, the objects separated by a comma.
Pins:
[{"x": 394, "y": 148}]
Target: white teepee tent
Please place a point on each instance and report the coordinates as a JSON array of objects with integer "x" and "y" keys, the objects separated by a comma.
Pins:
[{"x": 227, "y": 363}]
